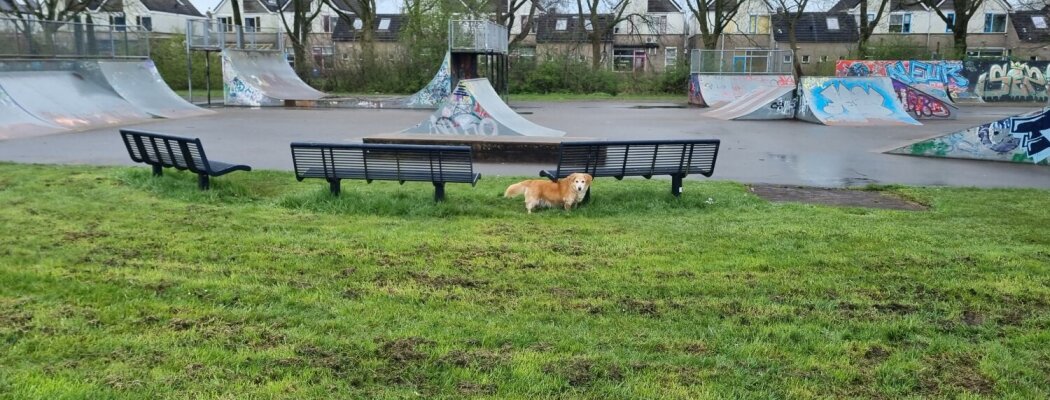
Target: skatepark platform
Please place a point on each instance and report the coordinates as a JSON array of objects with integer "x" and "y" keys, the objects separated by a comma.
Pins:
[{"x": 494, "y": 149}]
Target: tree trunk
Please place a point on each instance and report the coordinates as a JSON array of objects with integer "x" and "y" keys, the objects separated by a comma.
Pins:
[
  {"x": 960, "y": 42},
  {"x": 710, "y": 41},
  {"x": 793, "y": 41},
  {"x": 596, "y": 52}
]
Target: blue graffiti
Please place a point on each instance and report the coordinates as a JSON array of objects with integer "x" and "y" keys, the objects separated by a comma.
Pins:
[
  {"x": 921, "y": 72},
  {"x": 1030, "y": 131}
]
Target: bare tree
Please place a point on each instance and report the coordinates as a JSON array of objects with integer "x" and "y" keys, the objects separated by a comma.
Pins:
[
  {"x": 508, "y": 18},
  {"x": 867, "y": 27},
  {"x": 238, "y": 22},
  {"x": 597, "y": 25},
  {"x": 790, "y": 12},
  {"x": 50, "y": 15},
  {"x": 721, "y": 12},
  {"x": 964, "y": 12},
  {"x": 365, "y": 11},
  {"x": 299, "y": 31}
]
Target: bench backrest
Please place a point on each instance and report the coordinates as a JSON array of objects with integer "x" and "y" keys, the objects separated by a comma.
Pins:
[
  {"x": 383, "y": 162},
  {"x": 165, "y": 151},
  {"x": 638, "y": 158}
]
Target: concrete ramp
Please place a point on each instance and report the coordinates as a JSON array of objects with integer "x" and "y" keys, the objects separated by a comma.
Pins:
[
  {"x": 1021, "y": 138},
  {"x": 774, "y": 102},
  {"x": 717, "y": 90},
  {"x": 261, "y": 78},
  {"x": 474, "y": 108},
  {"x": 69, "y": 100},
  {"x": 436, "y": 90},
  {"x": 15, "y": 122},
  {"x": 139, "y": 82},
  {"x": 855, "y": 101},
  {"x": 922, "y": 105}
]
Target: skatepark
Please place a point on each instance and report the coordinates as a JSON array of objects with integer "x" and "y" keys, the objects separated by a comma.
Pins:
[{"x": 817, "y": 131}]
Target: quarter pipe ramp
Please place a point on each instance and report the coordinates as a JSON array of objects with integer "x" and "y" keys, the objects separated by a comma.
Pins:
[
  {"x": 16, "y": 122},
  {"x": 474, "y": 108},
  {"x": 262, "y": 78},
  {"x": 869, "y": 101},
  {"x": 922, "y": 105},
  {"x": 69, "y": 100},
  {"x": 1020, "y": 139},
  {"x": 775, "y": 102},
  {"x": 140, "y": 83},
  {"x": 717, "y": 90}
]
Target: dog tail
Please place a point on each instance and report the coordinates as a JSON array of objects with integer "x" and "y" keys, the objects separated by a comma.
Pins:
[{"x": 515, "y": 190}]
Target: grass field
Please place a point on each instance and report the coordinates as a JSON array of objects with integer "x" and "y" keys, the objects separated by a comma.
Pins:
[{"x": 114, "y": 284}]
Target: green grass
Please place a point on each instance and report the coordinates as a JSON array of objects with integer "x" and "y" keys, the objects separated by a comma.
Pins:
[{"x": 115, "y": 284}]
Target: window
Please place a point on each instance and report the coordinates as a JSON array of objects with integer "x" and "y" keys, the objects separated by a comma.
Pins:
[
  {"x": 805, "y": 59},
  {"x": 629, "y": 59},
  {"x": 787, "y": 59},
  {"x": 900, "y": 23},
  {"x": 323, "y": 57},
  {"x": 326, "y": 23},
  {"x": 950, "y": 27},
  {"x": 661, "y": 24},
  {"x": 226, "y": 24},
  {"x": 118, "y": 22},
  {"x": 994, "y": 23},
  {"x": 357, "y": 25},
  {"x": 1039, "y": 21},
  {"x": 384, "y": 24},
  {"x": 562, "y": 24},
  {"x": 758, "y": 24},
  {"x": 144, "y": 23},
  {"x": 252, "y": 24},
  {"x": 529, "y": 52},
  {"x": 823, "y": 59},
  {"x": 588, "y": 26},
  {"x": 833, "y": 23},
  {"x": 670, "y": 56}
]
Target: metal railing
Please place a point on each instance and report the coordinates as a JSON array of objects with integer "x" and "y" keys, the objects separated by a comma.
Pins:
[
  {"x": 472, "y": 36},
  {"x": 741, "y": 62},
  {"x": 28, "y": 37},
  {"x": 212, "y": 34}
]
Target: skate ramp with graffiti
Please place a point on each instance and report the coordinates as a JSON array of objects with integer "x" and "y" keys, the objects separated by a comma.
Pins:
[
  {"x": 774, "y": 102},
  {"x": 851, "y": 102},
  {"x": 139, "y": 82},
  {"x": 435, "y": 91},
  {"x": 262, "y": 78},
  {"x": 922, "y": 105},
  {"x": 16, "y": 122},
  {"x": 69, "y": 99},
  {"x": 1023, "y": 81},
  {"x": 1020, "y": 139},
  {"x": 944, "y": 79},
  {"x": 709, "y": 90},
  {"x": 474, "y": 108}
]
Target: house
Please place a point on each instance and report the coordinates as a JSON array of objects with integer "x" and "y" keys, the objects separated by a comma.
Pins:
[
  {"x": 822, "y": 37},
  {"x": 1032, "y": 39},
  {"x": 749, "y": 28},
  {"x": 161, "y": 16}
]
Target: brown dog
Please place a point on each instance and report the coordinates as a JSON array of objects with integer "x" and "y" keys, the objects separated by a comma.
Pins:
[{"x": 566, "y": 192}]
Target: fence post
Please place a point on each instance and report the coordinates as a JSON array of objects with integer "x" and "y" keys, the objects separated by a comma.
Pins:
[{"x": 112, "y": 43}]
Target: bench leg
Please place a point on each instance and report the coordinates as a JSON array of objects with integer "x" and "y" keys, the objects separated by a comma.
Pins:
[
  {"x": 439, "y": 191},
  {"x": 333, "y": 186},
  {"x": 203, "y": 182},
  {"x": 158, "y": 170},
  {"x": 676, "y": 185}
]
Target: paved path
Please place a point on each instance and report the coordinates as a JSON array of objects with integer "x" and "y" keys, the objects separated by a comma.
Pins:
[{"x": 782, "y": 152}]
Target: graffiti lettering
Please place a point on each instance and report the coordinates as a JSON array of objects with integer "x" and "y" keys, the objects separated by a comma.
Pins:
[
  {"x": 463, "y": 115},
  {"x": 938, "y": 78},
  {"x": 1013, "y": 82},
  {"x": 1021, "y": 138},
  {"x": 920, "y": 105}
]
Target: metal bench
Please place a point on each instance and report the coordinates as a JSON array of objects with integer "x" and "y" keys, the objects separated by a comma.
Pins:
[
  {"x": 390, "y": 162},
  {"x": 645, "y": 158},
  {"x": 164, "y": 151}
]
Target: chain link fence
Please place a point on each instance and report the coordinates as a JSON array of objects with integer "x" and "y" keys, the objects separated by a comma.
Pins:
[
  {"x": 477, "y": 37},
  {"x": 214, "y": 35},
  {"x": 741, "y": 62},
  {"x": 25, "y": 37}
]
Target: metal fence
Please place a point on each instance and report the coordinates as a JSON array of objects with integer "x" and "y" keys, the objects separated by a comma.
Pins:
[
  {"x": 477, "y": 36},
  {"x": 741, "y": 62},
  {"x": 26, "y": 37},
  {"x": 211, "y": 34}
]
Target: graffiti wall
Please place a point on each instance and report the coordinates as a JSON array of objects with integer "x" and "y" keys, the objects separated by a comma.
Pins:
[
  {"x": 462, "y": 114},
  {"x": 937, "y": 78},
  {"x": 1010, "y": 81},
  {"x": 922, "y": 105},
  {"x": 1020, "y": 139},
  {"x": 717, "y": 90},
  {"x": 436, "y": 91},
  {"x": 237, "y": 92},
  {"x": 851, "y": 101}
]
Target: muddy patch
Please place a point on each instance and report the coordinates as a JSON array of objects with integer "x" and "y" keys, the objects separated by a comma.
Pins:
[{"x": 835, "y": 197}]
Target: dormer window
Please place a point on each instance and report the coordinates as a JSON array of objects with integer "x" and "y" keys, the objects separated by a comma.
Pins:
[
  {"x": 562, "y": 24},
  {"x": 358, "y": 24},
  {"x": 1039, "y": 21},
  {"x": 833, "y": 23},
  {"x": 384, "y": 24}
]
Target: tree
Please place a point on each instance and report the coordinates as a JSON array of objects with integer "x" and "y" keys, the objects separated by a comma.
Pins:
[
  {"x": 51, "y": 15},
  {"x": 299, "y": 31},
  {"x": 507, "y": 19},
  {"x": 868, "y": 27},
  {"x": 238, "y": 22},
  {"x": 365, "y": 11},
  {"x": 964, "y": 12},
  {"x": 790, "y": 12},
  {"x": 721, "y": 14},
  {"x": 597, "y": 25}
]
